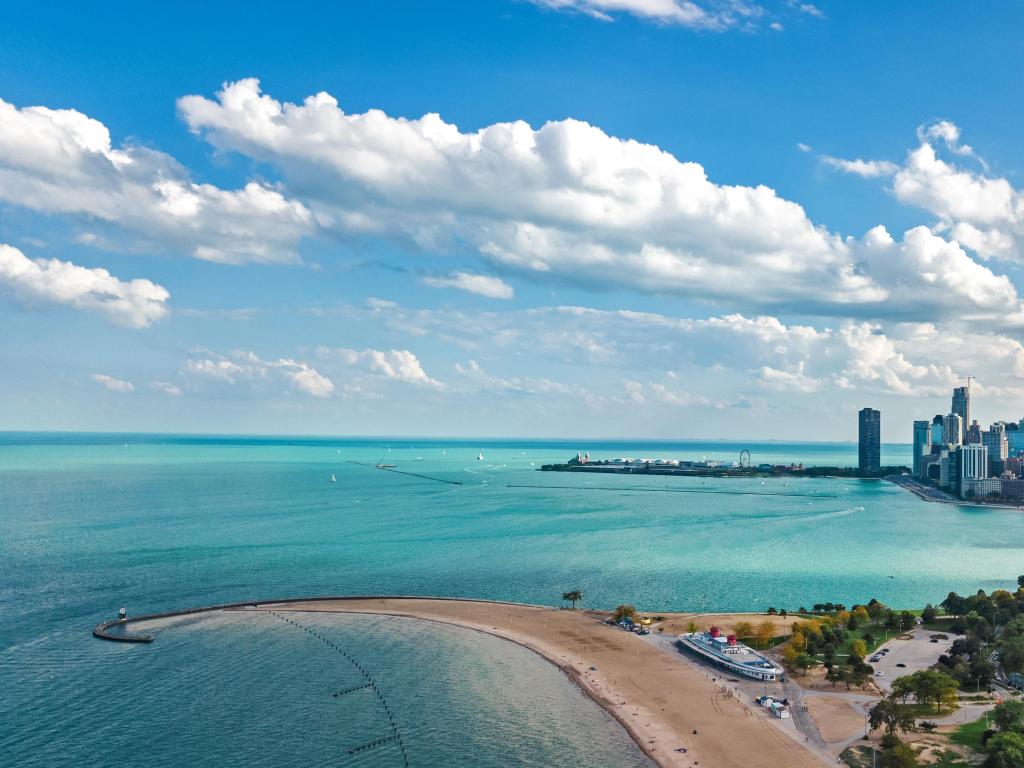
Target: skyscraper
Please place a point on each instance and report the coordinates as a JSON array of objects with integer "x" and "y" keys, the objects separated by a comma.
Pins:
[
  {"x": 995, "y": 441},
  {"x": 962, "y": 404},
  {"x": 869, "y": 442},
  {"x": 922, "y": 445},
  {"x": 973, "y": 462},
  {"x": 953, "y": 429}
]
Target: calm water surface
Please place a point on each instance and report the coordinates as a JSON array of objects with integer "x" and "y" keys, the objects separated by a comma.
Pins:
[{"x": 89, "y": 523}]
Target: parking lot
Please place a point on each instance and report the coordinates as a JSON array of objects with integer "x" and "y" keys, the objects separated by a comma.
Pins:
[{"x": 917, "y": 653}]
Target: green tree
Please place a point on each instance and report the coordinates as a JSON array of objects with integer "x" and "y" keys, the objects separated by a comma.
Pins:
[
  {"x": 859, "y": 648},
  {"x": 929, "y": 613},
  {"x": 765, "y": 633},
  {"x": 805, "y": 661},
  {"x": 904, "y": 687},
  {"x": 744, "y": 629},
  {"x": 1009, "y": 716},
  {"x": 692, "y": 627},
  {"x": 624, "y": 611},
  {"x": 896, "y": 754},
  {"x": 876, "y": 610},
  {"x": 572, "y": 597},
  {"x": 1005, "y": 750},
  {"x": 891, "y": 715}
]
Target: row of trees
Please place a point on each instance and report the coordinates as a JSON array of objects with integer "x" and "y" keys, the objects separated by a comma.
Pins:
[
  {"x": 1013, "y": 645},
  {"x": 998, "y": 608}
]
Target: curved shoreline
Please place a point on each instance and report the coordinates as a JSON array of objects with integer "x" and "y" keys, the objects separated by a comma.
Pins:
[{"x": 660, "y": 700}]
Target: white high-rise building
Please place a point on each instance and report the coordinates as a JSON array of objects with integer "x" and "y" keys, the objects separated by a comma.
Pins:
[{"x": 973, "y": 461}]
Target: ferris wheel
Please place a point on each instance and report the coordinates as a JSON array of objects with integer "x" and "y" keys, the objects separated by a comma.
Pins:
[{"x": 744, "y": 458}]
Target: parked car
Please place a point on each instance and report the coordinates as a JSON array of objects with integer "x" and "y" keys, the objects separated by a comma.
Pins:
[{"x": 901, "y": 664}]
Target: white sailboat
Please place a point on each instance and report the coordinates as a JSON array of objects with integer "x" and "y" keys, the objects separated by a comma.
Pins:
[
  {"x": 334, "y": 479},
  {"x": 480, "y": 457}
]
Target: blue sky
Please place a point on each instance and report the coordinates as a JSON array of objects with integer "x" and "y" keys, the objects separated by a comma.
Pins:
[{"x": 631, "y": 217}]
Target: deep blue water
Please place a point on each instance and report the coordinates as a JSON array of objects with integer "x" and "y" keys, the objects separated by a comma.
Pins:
[{"x": 90, "y": 523}]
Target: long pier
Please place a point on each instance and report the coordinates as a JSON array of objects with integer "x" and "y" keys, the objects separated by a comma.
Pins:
[
  {"x": 410, "y": 474},
  {"x": 103, "y": 630}
]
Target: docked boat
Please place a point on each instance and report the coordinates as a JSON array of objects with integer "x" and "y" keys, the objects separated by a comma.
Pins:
[{"x": 726, "y": 652}]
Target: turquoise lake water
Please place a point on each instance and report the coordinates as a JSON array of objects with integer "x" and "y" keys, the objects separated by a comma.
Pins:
[{"x": 89, "y": 523}]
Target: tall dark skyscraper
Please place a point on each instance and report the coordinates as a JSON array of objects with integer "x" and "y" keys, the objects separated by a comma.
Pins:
[
  {"x": 962, "y": 405},
  {"x": 869, "y": 441}
]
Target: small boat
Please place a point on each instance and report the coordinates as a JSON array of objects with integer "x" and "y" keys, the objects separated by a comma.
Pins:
[
  {"x": 480, "y": 457},
  {"x": 386, "y": 466},
  {"x": 334, "y": 479}
]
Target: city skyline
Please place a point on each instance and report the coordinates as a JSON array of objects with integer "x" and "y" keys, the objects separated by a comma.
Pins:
[{"x": 420, "y": 237}]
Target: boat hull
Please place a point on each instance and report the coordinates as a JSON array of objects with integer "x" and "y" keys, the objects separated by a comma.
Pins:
[{"x": 770, "y": 674}]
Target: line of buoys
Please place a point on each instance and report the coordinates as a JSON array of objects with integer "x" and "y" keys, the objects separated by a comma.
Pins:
[
  {"x": 369, "y": 684},
  {"x": 372, "y": 744}
]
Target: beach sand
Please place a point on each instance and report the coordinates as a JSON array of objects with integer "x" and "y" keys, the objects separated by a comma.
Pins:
[
  {"x": 658, "y": 696},
  {"x": 837, "y": 718},
  {"x": 676, "y": 623}
]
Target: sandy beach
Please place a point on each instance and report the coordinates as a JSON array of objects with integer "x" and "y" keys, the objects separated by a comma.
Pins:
[{"x": 664, "y": 701}]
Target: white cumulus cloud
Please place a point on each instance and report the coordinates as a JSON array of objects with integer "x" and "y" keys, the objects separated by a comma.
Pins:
[
  {"x": 114, "y": 385},
  {"x": 133, "y": 303},
  {"x": 166, "y": 387},
  {"x": 985, "y": 213},
  {"x": 396, "y": 364},
  {"x": 564, "y": 201},
  {"x": 482, "y": 285},
  {"x": 869, "y": 169},
  {"x": 62, "y": 161},
  {"x": 243, "y": 366}
]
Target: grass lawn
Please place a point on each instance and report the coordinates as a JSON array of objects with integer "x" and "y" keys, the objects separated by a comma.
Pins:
[
  {"x": 753, "y": 642},
  {"x": 927, "y": 710},
  {"x": 969, "y": 735},
  {"x": 941, "y": 624}
]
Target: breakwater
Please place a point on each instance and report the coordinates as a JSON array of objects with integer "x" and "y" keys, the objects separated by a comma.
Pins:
[{"x": 105, "y": 629}]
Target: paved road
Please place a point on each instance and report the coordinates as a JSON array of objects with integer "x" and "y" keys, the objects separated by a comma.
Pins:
[{"x": 801, "y": 718}]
